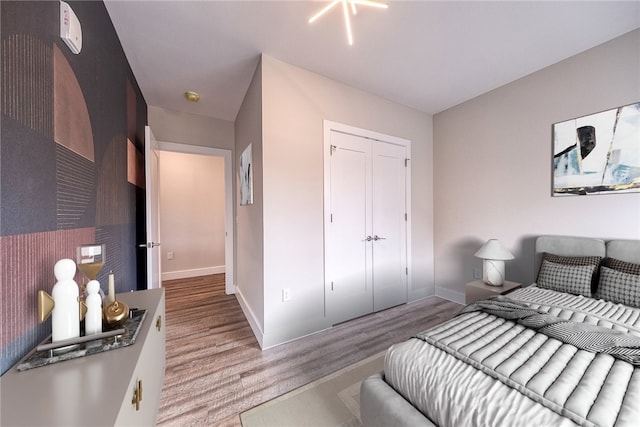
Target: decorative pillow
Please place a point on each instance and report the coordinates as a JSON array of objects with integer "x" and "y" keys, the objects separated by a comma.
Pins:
[
  {"x": 572, "y": 260},
  {"x": 572, "y": 279},
  {"x": 619, "y": 287},
  {"x": 625, "y": 267},
  {"x": 576, "y": 260}
]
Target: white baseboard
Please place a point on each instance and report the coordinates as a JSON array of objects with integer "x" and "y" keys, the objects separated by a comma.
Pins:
[
  {"x": 185, "y": 274},
  {"x": 251, "y": 318},
  {"x": 450, "y": 295}
]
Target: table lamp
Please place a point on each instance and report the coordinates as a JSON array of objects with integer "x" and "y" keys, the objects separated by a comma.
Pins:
[{"x": 493, "y": 255}]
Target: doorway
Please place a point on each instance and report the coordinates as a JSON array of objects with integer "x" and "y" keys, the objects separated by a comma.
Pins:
[{"x": 198, "y": 223}]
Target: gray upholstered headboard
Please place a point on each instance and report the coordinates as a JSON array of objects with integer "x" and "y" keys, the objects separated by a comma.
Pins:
[
  {"x": 624, "y": 250},
  {"x": 568, "y": 246}
]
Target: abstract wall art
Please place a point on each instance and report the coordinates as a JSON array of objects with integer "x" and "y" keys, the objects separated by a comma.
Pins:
[
  {"x": 246, "y": 177},
  {"x": 598, "y": 153}
]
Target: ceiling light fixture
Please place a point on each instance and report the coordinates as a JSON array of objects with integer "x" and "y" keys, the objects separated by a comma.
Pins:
[
  {"x": 346, "y": 5},
  {"x": 192, "y": 96}
]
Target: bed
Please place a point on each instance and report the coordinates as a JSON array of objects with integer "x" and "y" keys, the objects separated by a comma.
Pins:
[{"x": 565, "y": 353}]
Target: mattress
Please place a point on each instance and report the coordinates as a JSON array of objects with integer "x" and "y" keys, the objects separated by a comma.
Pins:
[{"x": 478, "y": 369}]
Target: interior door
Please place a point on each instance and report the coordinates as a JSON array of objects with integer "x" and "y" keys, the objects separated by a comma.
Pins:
[
  {"x": 151, "y": 167},
  {"x": 389, "y": 225},
  {"x": 348, "y": 251}
]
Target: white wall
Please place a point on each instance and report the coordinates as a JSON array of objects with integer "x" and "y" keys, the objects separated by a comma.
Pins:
[
  {"x": 249, "y": 218},
  {"x": 294, "y": 104},
  {"x": 192, "y": 220},
  {"x": 492, "y": 164},
  {"x": 192, "y": 129}
]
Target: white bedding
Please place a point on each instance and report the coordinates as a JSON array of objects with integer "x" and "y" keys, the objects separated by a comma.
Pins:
[{"x": 515, "y": 376}]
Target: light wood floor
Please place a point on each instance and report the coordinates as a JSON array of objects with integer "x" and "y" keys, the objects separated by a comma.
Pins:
[{"x": 216, "y": 370}]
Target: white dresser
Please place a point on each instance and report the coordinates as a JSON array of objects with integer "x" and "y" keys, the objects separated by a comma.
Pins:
[{"x": 97, "y": 390}]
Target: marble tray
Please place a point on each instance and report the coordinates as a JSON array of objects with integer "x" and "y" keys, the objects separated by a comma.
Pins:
[{"x": 42, "y": 357}]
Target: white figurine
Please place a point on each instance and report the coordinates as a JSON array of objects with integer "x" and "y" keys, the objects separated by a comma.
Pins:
[
  {"x": 66, "y": 312},
  {"x": 93, "y": 318}
]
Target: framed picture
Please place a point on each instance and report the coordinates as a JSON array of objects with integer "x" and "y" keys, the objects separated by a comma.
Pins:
[
  {"x": 246, "y": 177},
  {"x": 598, "y": 153}
]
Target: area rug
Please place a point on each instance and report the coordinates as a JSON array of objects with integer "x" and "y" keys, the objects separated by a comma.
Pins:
[{"x": 331, "y": 401}]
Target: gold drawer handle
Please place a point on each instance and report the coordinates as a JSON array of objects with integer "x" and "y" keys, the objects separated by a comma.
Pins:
[
  {"x": 137, "y": 395},
  {"x": 159, "y": 323}
]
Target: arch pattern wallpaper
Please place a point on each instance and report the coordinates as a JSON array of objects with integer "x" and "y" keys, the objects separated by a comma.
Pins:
[{"x": 71, "y": 160}]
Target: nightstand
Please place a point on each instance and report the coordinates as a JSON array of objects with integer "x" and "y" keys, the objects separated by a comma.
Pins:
[{"x": 478, "y": 290}]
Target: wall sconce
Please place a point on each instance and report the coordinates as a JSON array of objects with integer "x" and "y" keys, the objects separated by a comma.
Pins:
[{"x": 493, "y": 254}]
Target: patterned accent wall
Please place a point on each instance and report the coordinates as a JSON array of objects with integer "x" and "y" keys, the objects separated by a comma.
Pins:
[
  {"x": 72, "y": 136},
  {"x": 25, "y": 99},
  {"x": 75, "y": 188}
]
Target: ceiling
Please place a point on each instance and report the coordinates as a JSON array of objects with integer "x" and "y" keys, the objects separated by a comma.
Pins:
[{"x": 428, "y": 55}]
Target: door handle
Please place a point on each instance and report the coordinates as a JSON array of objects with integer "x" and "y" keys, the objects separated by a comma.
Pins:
[
  {"x": 148, "y": 245},
  {"x": 368, "y": 239},
  {"x": 137, "y": 395},
  {"x": 376, "y": 238}
]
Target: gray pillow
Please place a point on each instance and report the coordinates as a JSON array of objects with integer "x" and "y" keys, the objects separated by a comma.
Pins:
[
  {"x": 572, "y": 260},
  {"x": 577, "y": 260},
  {"x": 625, "y": 267},
  {"x": 572, "y": 279},
  {"x": 619, "y": 287}
]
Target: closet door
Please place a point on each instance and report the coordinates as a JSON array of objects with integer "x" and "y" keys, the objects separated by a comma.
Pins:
[
  {"x": 348, "y": 253},
  {"x": 389, "y": 225}
]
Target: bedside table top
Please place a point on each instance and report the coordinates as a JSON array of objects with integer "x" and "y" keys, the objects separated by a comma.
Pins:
[
  {"x": 506, "y": 286},
  {"x": 477, "y": 290}
]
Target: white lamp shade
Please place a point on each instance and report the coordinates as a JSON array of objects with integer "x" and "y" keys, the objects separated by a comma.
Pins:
[
  {"x": 493, "y": 254},
  {"x": 493, "y": 249}
]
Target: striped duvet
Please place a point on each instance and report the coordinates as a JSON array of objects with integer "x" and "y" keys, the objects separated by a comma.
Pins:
[{"x": 478, "y": 369}]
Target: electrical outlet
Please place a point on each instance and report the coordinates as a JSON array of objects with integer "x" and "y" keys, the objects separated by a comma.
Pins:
[
  {"x": 286, "y": 294},
  {"x": 477, "y": 274},
  {"x": 169, "y": 255}
]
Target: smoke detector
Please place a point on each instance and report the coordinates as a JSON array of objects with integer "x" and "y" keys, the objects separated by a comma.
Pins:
[{"x": 70, "y": 29}]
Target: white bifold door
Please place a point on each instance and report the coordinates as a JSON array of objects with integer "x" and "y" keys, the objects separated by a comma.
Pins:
[{"x": 366, "y": 229}]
